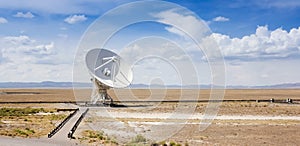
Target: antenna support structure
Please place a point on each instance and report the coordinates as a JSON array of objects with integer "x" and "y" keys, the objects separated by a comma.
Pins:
[{"x": 99, "y": 93}]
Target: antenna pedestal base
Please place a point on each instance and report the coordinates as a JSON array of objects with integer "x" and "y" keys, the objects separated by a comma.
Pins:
[{"x": 99, "y": 94}]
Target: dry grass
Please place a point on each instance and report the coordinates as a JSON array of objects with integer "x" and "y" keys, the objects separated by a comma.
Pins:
[
  {"x": 91, "y": 137},
  {"x": 25, "y": 122}
]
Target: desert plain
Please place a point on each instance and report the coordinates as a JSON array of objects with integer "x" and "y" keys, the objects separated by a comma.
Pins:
[{"x": 156, "y": 116}]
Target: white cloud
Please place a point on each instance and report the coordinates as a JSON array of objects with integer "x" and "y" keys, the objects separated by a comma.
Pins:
[
  {"x": 24, "y": 15},
  {"x": 194, "y": 30},
  {"x": 183, "y": 25},
  {"x": 75, "y": 19},
  {"x": 23, "y": 49},
  {"x": 264, "y": 44},
  {"x": 17, "y": 40},
  {"x": 25, "y": 59},
  {"x": 3, "y": 20},
  {"x": 220, "y": 19}
]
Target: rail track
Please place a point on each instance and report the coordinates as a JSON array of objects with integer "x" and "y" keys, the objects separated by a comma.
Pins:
[{"x": 57, "y": 128}]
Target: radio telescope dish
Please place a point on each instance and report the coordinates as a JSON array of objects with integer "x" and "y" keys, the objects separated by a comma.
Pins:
[{"x": 108, "y": 70}]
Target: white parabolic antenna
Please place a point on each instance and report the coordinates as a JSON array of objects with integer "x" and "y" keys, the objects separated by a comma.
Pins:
[{"x": 108, "y": 70}]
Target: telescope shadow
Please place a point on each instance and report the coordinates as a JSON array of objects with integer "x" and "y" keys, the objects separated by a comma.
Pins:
[
  {"x": 127, "y": 106},
  {"x": 114, "y": 105}
]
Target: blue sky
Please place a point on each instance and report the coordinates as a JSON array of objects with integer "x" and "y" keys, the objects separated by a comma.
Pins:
[
  {"x": 259, "y": 39},
  {"x": 245, "y": 16}
]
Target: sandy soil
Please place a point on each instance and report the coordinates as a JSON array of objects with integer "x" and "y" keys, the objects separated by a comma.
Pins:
[
  {"x": 17, "y": 141},
  {"x": 237, "y": 123},
  {"x": 237, "y": 129},
  {"x": 66, "y": 95}
]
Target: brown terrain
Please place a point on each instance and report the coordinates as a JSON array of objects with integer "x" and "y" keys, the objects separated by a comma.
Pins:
[
  {"x": 65, "y": 95},
  {"x": 257, "y": 123}
]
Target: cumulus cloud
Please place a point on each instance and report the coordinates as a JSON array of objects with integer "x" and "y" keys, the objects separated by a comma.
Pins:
[
  {"x": 75, "y": 19},
  {"x": 264, "y": 44},
  {"x": 220, "y": 19},
  {"x": 24, "y": 15},
  {"x": 182, "y": 24},
  {"x": 3, "y": 20},
  {"x": 194, "y": 30},
  {"x": 23, "y": 49},
  {"x": 23, "y": 58}
]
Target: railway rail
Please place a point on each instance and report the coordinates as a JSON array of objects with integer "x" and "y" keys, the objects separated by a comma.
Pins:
[
  {"x": 72, "y": 131},
  {"x": 57, "y": 128}
]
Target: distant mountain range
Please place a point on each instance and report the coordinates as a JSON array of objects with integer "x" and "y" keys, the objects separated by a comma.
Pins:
[
  {"x": 45, "y": 84},
  {"x": 50, "y": 84}
]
